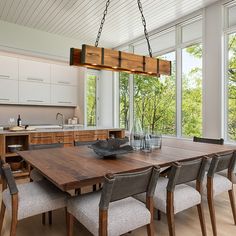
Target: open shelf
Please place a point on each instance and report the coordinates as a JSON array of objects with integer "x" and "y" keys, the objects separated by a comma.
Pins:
[{"x": 21, "y": 173}]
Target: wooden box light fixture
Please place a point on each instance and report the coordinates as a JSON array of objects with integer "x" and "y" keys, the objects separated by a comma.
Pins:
[{"x": 107, "y": 59}]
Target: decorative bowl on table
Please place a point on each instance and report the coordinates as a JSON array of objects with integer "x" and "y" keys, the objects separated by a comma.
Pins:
[{"x": 111, "y": 147}]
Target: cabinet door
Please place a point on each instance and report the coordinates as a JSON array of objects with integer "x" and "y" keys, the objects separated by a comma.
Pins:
[
  {"x": 8, "y": 68},
  {"x": 34, "y": 93},
  {"x": 64, "y": 75},
  {"x": 64, "y": 95},
  {"x": 8, "y": 91},
  {"x": 41, "y": 138},
  {"x": 34, "y": 71}
]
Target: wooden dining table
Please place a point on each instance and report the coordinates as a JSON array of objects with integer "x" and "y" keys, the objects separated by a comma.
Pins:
[{"x": 75, "y": 167}]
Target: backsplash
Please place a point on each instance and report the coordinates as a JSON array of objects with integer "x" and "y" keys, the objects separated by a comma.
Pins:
[{"x": 32, "y": 115}]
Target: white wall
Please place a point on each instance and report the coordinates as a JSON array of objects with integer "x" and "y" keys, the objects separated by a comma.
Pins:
[
  {"x": 15, "y": 38},
  {"x": 212, "y": 64}
]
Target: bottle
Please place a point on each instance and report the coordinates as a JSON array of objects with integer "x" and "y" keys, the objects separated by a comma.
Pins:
[{"x": 19, "y": 122}]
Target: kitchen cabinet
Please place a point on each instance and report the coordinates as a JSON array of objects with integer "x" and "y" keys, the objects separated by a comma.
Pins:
[
  {"x": 64, "y": 95},
  {"x": 90, "y": 135},
  {"x": 64, "y": 75},
  {"x": 8, "y": 91},
  {"x": 34, "y": 93},
  {"x": 8, "y": 68},
  {"x": 41, "y": 138},
  {"x": 67, "y": 138},
  {"x": 34, "y": 71}
]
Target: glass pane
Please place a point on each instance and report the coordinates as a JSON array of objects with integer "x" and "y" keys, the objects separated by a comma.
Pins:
[
  {"x": 91, "y": 100},
  {"x": 192, "y": 91},
  {"x": 232, "y": 87},
  {"x": 124, "y": 100},
  {"x": 155, "y": 99}
]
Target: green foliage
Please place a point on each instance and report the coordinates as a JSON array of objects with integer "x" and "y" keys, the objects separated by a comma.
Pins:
[{"x": 232, "y": 87}]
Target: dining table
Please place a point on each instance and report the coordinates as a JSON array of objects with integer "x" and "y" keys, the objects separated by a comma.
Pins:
[{"x": 71, "y": 168}]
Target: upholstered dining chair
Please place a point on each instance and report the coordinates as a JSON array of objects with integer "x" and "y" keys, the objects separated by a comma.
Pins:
[
  {"x": 208, "y": 140},
  {"x": 173, "y": 195},
  {"x": 29, "y": 199},
  {"x": 112, "y": 211},
  {"x": 217, "y": 184},
  {"x": 36, "y": 176}
]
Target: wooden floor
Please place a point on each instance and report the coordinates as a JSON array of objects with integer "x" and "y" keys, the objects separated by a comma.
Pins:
[{"x": 187, "y": 223}]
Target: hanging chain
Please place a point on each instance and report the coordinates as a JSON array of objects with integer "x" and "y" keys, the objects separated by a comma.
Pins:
[
  {"x": 145, "y": 27},
  {"x": 102, "y": 23}
]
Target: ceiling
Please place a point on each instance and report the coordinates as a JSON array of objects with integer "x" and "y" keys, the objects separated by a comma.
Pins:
[{"x": 80, "y": 19}]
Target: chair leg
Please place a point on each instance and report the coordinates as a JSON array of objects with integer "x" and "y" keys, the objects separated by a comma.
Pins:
[
  {"x": 170, "y": 213},
  {"x": 202, "y": 219},
  {"x": 43, "y": 218},
  {"x": 70, "y": 223},
  {"x": 2, "y": 214},
  {"x": 212, "y": 213},
  {"x": 232, "y": 202},
  {"x": 150, "y": 229},
  {"x": 14, "y": 215},
  {"x": 94, "y": 187},
  {"x": 50, "y": 217},
  {"x": 158, "y": 215}
]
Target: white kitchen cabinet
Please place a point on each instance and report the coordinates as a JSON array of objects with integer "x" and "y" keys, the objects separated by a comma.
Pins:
[
  {"x": 34, "y": 71},
  {"x": 64, "y": 75},
  {"x": 33, "y": 93},
  {"x": 8, "y": 68},
  {"x": 8, "y": 91},
  {"x": 64, "y": 95}
]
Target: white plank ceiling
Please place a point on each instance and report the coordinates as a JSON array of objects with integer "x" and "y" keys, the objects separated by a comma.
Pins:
[{"x": 80, "y": 19}]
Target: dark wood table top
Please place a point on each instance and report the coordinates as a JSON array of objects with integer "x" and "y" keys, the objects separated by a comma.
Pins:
[{"x": 74, "y": 167}]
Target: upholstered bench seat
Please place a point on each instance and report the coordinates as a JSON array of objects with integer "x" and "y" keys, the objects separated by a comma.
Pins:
[
  {"x": 36, "y": 198},
  {"x": 123, "y": 216},
  {"x": 191, "y": 196}
]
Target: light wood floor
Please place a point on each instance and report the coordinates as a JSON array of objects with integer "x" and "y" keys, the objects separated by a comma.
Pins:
[{"x": 187, "y": 223}]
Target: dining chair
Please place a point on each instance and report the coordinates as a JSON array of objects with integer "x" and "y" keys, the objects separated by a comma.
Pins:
[
  {"x": 217, "y": 184},
  {"x": 173, "y": 195},
  {"x": 112, "y": 211},
  {"x": 28, "y": 199},
  {"x": 35, "y": 175},
  {"x": 208, "y": 140}
]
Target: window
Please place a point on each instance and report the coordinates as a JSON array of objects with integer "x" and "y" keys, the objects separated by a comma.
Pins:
[
  {"x": 192, "y": 90},
  {"x": 154, "y": 101},
  {"x": 231, "y": 86},
  {"x": 91, "y": 101},
  {"x": 124, "y": 100}
]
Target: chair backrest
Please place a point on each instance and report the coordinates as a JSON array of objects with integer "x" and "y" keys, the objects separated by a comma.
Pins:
[
  {"x": 120, "y": 186},
  {"x": 45, "y": 146},
  {"x": 183, "y": 172},
  {"x": 84, "y": 143},
  {"x": 8, "y": 178},
  {"x": 208, "y": 140},
  {"x": 221, "y": 162}
]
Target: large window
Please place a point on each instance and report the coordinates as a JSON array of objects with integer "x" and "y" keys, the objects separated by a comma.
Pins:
[
  {"x": 154, "y": 101},
  {"x": 232, "y": 86},
  {"x": 91, "y": 104},
  {"x": 192, "y": 90},
  {"x": 124, "y": 100}
]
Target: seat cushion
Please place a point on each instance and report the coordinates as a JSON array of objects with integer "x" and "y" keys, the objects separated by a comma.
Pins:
[
  {"x": 35, "y": 198},
  {"x": 35, "y": 175},
  {"x": 220, "y": 183},
  {"x": 123, "y": 215},
  {"x": 225, "y": 172},
  {"x": 184, "y": 196}
]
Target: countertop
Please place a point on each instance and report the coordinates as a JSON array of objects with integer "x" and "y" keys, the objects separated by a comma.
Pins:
[{"x": 7, "y": 132}]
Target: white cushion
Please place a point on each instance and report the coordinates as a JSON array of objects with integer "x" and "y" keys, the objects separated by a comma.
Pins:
[
  {"x": 225, "y": 173},
  {"x": 36, "y": 198},
  {"x": 35, "y": 175},
  {"x": 184, "y": 196},
  {"x": 123, "y": 216},
  {"x": 220, "y": 184}
]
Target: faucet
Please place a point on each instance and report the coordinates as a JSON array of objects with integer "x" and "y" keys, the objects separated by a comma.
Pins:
[{"x": 62, "y": 119}]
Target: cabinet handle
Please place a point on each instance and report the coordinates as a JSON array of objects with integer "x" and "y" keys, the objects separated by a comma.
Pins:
[
  {"x": 5, "y": 76},
  {"x": 41, "y": 137},
  {"x": 31, "y": 100},
  {"x": 63, "y": 82},
  {"x": 64, "y": 102},
  {"x": 35, "y": 79},
  {"x": 4, "y": 99}
]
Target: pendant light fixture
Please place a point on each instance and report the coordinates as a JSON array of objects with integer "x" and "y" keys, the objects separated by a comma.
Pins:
[{"x": 107, "y": 59}]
